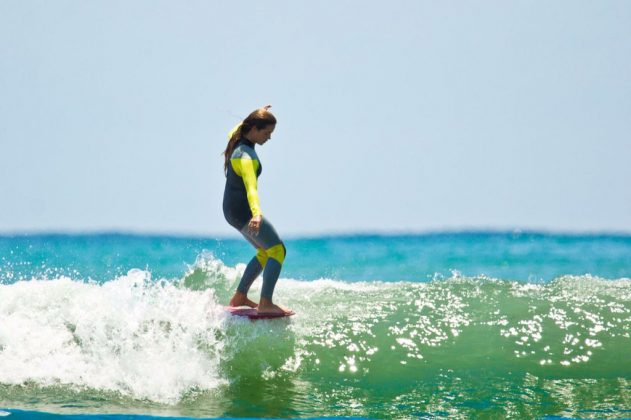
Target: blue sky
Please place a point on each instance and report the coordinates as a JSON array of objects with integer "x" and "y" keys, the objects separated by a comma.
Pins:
[{"x": 393, "y": 116}]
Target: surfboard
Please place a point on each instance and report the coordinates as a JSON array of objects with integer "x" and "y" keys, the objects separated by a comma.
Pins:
[{"x": 252, "y": 313}]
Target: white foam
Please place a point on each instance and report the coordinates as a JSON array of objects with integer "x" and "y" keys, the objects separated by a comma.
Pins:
[{"x": 130, "y": 335}]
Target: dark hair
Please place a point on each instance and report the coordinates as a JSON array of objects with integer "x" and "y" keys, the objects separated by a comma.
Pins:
[{"x": 260, "y": 119}]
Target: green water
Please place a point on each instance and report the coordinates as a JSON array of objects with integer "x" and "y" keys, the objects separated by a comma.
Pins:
[{"x": 456, "y": 346}]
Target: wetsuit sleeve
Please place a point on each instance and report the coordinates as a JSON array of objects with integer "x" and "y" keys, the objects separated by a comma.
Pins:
[{"x": 246, "y": 168}]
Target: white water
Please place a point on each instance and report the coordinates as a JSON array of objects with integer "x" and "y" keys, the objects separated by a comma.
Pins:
[
  {"x": 146, "y": 339},
  {"x": 163, "y": 340},
  {"x": 129, "y": 335}
]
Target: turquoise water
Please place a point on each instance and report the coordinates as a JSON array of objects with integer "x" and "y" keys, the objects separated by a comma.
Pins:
[{"x": 517, "y": 325}]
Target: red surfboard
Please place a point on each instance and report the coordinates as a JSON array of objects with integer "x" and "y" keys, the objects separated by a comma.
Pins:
[{"x": 253, "y": 314}]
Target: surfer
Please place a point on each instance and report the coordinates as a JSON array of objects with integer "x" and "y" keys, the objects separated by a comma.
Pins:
[{"x": 242, "y": 209}]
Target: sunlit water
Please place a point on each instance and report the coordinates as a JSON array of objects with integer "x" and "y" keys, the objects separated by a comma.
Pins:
[{"x": 452, "y": 325}]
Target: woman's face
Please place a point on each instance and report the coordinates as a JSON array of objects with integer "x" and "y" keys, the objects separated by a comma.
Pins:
[{"x": 261, "y": 136}]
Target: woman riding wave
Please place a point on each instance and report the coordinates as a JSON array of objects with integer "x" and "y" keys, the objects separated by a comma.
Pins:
[{"x": 242, "y": 210}]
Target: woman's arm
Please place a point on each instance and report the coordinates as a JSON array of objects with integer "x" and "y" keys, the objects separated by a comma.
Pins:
[{"x": 246, "y": 168}]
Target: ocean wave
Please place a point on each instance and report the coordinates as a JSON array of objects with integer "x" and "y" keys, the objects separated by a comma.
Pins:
[
  {"x": 130, "y": 335},
  {"x": 170, "y": 342}
]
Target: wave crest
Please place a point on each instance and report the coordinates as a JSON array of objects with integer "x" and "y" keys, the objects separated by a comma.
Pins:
[{"x": 165, "y": 341}]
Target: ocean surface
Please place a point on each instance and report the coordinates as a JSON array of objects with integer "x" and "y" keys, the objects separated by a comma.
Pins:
[{"x": 455, "y": 325}]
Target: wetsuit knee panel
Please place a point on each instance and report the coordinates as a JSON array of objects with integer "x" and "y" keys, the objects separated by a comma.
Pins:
[
  {"x": 277, "y": 252},
  {"x": 261, "y": 256}
]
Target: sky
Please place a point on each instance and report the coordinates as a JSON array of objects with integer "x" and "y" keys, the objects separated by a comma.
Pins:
[{"x": 393, "y": 116}]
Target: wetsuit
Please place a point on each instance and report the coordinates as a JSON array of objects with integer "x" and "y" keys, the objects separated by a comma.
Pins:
[{"x": 240, "y": 204}]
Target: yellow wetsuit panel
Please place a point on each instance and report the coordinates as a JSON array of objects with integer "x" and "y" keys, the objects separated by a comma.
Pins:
[
  {"x": 261, "y": 256},
  {"x": 246, "y": 168},
  {"x": 276, "y": 252}
]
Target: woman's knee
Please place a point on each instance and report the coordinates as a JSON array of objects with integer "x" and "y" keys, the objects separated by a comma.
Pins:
[
  {"x": 261, "y": 256},
  {"x": 277, "y": 252}
]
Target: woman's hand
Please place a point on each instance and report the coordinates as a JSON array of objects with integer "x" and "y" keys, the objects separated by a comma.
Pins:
[{"x": 255, "y": 224}]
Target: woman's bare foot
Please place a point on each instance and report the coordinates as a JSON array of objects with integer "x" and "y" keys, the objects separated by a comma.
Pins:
[
  {"x": 268, "y": 308},
  {"x": 240, "y": 299}
]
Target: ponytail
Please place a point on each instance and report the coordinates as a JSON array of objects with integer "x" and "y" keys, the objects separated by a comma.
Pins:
[
  {"x": 260, "y": 119},
  {"x": 233, "y": 138}
]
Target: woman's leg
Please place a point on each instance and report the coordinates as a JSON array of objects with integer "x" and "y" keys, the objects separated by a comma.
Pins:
[
  {"x": 270, "y": 257},
  {"x": 252, "y": 271},
  {"x": 276, "y": 257}
]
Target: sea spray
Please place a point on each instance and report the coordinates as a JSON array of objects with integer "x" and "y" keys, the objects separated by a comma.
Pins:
[
  {"x": 456, "y": 345},
  {"x": 151, "y": 340}
]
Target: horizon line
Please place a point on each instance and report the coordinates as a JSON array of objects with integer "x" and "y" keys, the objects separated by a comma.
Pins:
[{"x": 324, "y": 234}]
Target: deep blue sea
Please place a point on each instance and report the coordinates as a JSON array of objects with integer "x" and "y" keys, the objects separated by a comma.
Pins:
[{"x": 455, "y": 325}]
